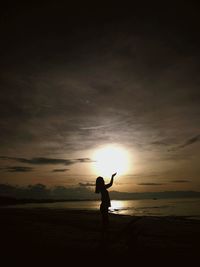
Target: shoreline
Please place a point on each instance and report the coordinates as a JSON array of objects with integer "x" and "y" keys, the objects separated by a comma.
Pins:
[
  {"x": 188, "y": 209},
  {"x": 96, "y": 212},
  {"x": 4, "y": 201}
]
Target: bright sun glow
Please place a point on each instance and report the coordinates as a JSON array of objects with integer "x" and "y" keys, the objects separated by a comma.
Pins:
[{"x": 111, "y": 159}]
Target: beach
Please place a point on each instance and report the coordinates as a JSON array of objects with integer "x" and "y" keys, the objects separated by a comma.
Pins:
[{"x": 58, "y": 234}]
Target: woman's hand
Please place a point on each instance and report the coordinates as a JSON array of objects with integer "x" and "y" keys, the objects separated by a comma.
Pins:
[{"x": 111, "y": 181}]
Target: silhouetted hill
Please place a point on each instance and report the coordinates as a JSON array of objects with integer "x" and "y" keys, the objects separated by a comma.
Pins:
[
  {"x": 40, "y": 193},
  {"x": 4, "y": 201},
  {"x": 151, "y": 195}
]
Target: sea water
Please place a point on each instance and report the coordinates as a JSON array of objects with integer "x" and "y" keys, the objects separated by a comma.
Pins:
[{"x": 189, "y": 207}]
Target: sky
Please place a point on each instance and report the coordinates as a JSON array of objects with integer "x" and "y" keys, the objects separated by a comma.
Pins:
[{"x": 76, "y": 78}]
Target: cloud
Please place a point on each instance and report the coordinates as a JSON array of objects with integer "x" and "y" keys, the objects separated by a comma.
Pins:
[
  {"x": 47, "y": 161},
  {"x": 150, "y": 184},
  {"x": 86, "y": 184},
  {"x": 180, "y": 181},
  {"x": 17, "y": 169},
  {"x": 187, "y": 142},
  {"x": 191, "y": 141},
  {"x": 159, "y": 143},
  {"x": 60, "y": 170},
  {"x": 84, "y": 160}
]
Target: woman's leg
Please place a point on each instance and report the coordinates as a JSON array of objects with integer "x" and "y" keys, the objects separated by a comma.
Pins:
[{"x": 105, "y": 218}]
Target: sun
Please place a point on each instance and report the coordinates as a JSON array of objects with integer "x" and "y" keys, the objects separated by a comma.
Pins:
[{"x": 110, "y": 159}]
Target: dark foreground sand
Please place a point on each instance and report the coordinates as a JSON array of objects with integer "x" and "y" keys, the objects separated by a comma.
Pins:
[{"x": 47, "y": 235}]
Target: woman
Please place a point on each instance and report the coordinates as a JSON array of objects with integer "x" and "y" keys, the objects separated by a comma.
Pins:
[{"x": 105, "y": 199}]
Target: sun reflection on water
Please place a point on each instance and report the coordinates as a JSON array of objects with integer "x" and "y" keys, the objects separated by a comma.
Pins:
[{"x": 117, "y": 205}]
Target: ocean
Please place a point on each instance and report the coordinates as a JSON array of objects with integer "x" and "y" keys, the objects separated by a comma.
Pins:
[{"x": 189, "y": 207}]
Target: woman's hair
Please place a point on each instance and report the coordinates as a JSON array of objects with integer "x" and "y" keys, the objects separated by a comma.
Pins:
[{"x": 99, "y": 184}]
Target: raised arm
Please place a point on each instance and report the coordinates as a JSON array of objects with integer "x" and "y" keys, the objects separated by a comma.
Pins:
[{"x": 111, "y": 181}]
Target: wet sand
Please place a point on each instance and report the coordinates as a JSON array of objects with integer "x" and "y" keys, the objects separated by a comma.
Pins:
[{"x": 53, "y": 235}]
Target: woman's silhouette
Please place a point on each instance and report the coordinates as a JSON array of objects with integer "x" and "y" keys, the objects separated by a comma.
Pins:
[{"x": 101, "y": 187}]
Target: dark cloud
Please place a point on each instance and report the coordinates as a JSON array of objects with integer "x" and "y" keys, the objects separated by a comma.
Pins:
[
  {"x": 40, "y": 160},
  {"x": 150, "y": 184},
  {"x": 181, "y": 181},
  {"x": 45, "y": 161},
  {"x": 60, "y": 170},
  {"x": 84, "y": 160},
  {"x": 86, "y": 184},
  {"x": 191, "y": 141},
  {"x": 17, "y": 169},
  {"x": 48, "y": 161},
  {"x": 188, "y": 142}
]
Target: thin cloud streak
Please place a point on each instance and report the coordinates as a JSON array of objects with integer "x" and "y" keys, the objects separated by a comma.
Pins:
[
  {"x": 150, "y": 184},
  {"x": 48, "y": 161},
  {"x": 86, "y": 184},
  {"x": 180, "y": 181},
  {"x": 17, "y": 169},
  {"x": 60, "y": 170},
  {"x": 188, "y": 142}
]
